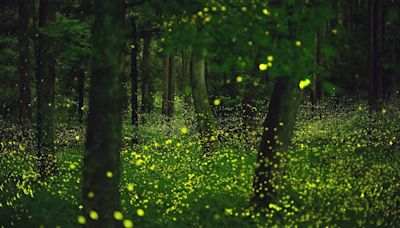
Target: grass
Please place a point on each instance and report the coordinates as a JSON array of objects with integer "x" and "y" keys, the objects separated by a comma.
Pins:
[{"x": 342, "y": 170}]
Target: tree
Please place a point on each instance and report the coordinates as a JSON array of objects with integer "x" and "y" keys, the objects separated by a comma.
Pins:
[
  {"x": 375, "y": 67},
  {"x": 81, "y": 93},
  {"x": 169, "y": 85},
  {"x": 46, "y": 90},
  {"x": 286, "y": 97},
  {"x": 278, "y": 130},
  {"x": 101, "y": 173},
  {"x": 204, "y": 114},
  {"x": 185, "y": 83},
  {"x": 147, "y": 99},
  {"x": 25, "y": 68},
  {"x": 134, "y": 79}
]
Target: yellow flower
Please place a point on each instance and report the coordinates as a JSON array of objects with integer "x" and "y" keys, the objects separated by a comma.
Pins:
[{"x": 217, "y": 102}]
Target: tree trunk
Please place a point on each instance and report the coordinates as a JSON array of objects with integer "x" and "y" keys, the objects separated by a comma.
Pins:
[
  {"x": 186, "y": 90},
  {"x": 147, "y": 99},
  {"x": 81, "y": 94},
  {"x": 317, "y": 91},
  {"x": 169, "y": 85},
  {"x": 101, "y": 166},
  {"x": 134, "y": 82},
  {"x": 164, "y": 108},
  {"x": 278, "y": 130},
  {"x": 375, "y": 55},
  {"x": 45, "y": 91},
  {"x": 25, "y": 70},
  {"x": 204, "y": 114}
]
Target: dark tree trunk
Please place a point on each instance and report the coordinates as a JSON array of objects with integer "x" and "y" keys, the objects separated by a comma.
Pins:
[
  {"x": 169, "y": 85},
  {"x": 134, "y": 81},
  {"x": 278, "y": 130},
  {"x": 375, "y": 55},
  {"x": 164, "y": 108},
  {"x": 317, "y": 91},
  {"x": 45, "y": 91},
  {"x": 204, "y": 114},
  {"x": 81, "y": 94},
  {"x": 25, "y": 68},
  {"x": 101, "y": 166},
  {"x": 186, "y": 90},
  {"x": 147, "y": 99}
]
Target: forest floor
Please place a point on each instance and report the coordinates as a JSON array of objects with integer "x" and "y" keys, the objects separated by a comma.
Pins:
[{"x": 343, "y": 170}]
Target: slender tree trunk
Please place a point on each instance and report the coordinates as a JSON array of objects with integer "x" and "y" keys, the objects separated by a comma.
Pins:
[
  {"x": 101, "y": 172},
  {"x": 25, "y": 70},
  {"x": 278, "y": 130},
  {"x": 169, "y": 85},
  {"x": 186, "y": 62},
  {"x": 45, "y": 92},
  {"x": 333, "y": 24},
  {"x": 147, "y": 99},
  {"x": 134, "y": 81},
  {"x": 81, "y": 94},
  {"x": 317, "y": 92},
  {"x": 165, "y": 85},
  {"x": 204, "y": 114}
]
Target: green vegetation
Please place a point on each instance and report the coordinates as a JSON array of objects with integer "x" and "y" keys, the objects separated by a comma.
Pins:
[{"x": 339, "y": 173}]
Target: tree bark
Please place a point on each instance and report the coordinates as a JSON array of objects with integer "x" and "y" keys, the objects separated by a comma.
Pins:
[
  {"x": 164, "y": 108},
  {"x": 46, "y": 91},
  {"x": 317, "y": 91},
  {"x": 186, "y": 90},
  {"x": 169, "y": 85},
  {"x": 278, "y": 130},
  {"x": 101, "y": 165},
  {"x": 147, "y": 99},
  {"x": 375, "y": 92},
  {"x": 204, "y": 114},
  {"x": 81, "y": 94},
  {"x": 25, "y": 68},
  {"x": 134, "y": 81}
]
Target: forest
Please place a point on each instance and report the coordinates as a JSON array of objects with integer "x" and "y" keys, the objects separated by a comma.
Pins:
[{"x": 199, "y": 113}]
